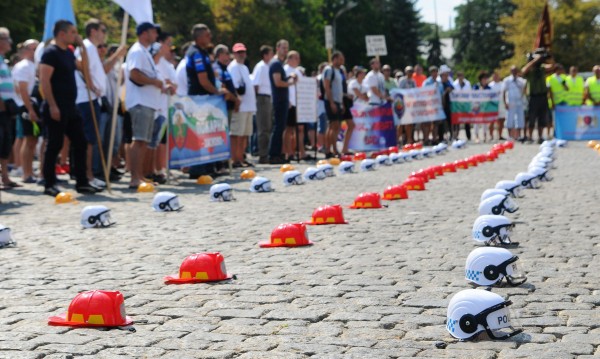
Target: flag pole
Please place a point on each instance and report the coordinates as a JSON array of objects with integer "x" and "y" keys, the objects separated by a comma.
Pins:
[{"x": 115, "y": 109}]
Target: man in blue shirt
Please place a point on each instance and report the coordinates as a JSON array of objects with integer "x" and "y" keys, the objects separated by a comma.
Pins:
[
  {"x": 201, "y": 77},
  {"x": 280, "y": 84}
]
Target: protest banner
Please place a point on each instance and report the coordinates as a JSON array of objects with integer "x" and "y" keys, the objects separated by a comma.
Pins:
[
  {"x": 474, "y": 106},
  {"x": 374, "y": 128},
  {"x": 577, "y": 122},
  {"x": 417, "y": 105},
  {"x": 306, "y": 100},
  {"x": 198, "y": 132}
]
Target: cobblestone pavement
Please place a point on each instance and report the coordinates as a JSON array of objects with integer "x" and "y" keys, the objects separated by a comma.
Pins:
[{"x": 376, "y": 288}]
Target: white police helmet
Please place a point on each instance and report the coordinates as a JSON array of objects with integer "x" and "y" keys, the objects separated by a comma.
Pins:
[
  {"x": 497, "y": 204},
  {"x": 221, "y": 192},
  {"x": 6, "y": 238},
  {"x": 487, "y": 266},
  {"x": 493, "y": 230},
  {"x": 327, "y": 169},
  {"x": 528, "y": 180},
  {"x": 561, "y": 143},
  {"x": 346, "y": 167},
  {"x": 383, "y": 160},
  {"x": 427, "y": 152},
  {"x": 166, "y": 202},
  {"x": 542, "y": 173},
  {"x": 515, "y": 189},
  {"x": 368, "y": 165},
  {"x": 406, "y": 156},
  {"x": 261, "y": 184},
  {"x": 492, "y": 192},
  {"x": 396, "y": 158},
  {"x": 416, "y": 154},
  {"x": 314, "y": 174},
  {"x": 292, "y": 178},
  {"x": 96, "y": 217},
  {"x": 474, "y": 311}
]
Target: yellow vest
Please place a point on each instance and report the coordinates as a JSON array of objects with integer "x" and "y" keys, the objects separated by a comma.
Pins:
[
  {"x": 576, "y": 89},
  {"x": 593, "y": 85},
  {"x": 559, "y": 93}
]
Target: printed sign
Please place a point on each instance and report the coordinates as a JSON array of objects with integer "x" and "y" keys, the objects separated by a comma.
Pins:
[
  {"x": 417, "y": 105},
  {"x": 374, "y": 128},
  {"x": 577, "y": 122},
  {"x": 306, "y": 100},
  {"x": 474, "y": 106},
  {"x": 376, "y": 45}
]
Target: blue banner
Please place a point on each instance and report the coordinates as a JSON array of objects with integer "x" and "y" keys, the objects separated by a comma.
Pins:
[
  {"x": 57, "y": 10},
  {"x": 577, "y": 122},
  {"x": 198, "y": 131},
  {"x": 374, "y": 130}
]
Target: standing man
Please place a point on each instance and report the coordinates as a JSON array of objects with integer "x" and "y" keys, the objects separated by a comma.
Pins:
[
  {"x": 60, "y": 114},
  {"x": 334, "y": 106},
  {"x": 461, "y": 84},
  {"x": 576, "y": 87},
  {"x": 558, "y": 89},
  {"x": 376, "y": 83},
  {"x": 390, "y": 82},
  {"x": 280, "y": 84},
  {"x": 93, "y": 71},
  {"x": 143, "y": 88},
  {"x": 24, "y": 78},
  {"x": 496, "y": 85},
  {"x": 264, "y": 106},
  {"x": 419, "y": 76},
  {"x": 7, "y": 108},
  {"x": 592, "y": 88},
  {"x": 535, "y": 73},
  {"x": 405, "y": 132},
  {"x": 513, "y": 91},
  {"x": 241, "y": 120}
]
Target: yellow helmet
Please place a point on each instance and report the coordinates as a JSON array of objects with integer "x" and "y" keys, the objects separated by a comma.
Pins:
[
  {"x": 206, "y": 179},
  {"x": 286, "y": 167},
  {"x": 334, "y": 161},
  {"x": 322, "y": 162},
  {"x": 248, "y": 174},
  {"x": 145, "y": 187},
  {"x": 597, "y": 147},
  {"x": 592, "y": 143},
  {"x": 64, "y": 197}
]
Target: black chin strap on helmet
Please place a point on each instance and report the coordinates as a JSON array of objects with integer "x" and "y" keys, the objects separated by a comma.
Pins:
[{"x": 97, "y": 219}]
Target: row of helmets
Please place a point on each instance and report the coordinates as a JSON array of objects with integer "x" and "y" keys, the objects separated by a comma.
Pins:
[
  {"x": 100, "y": 308},
  {"x": 473, "y": 312}
]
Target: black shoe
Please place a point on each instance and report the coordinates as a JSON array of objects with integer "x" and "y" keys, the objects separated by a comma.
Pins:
[
  {"x": 277, "y": 161},
  {"x": 86, "y": 189},
  {"x": 52, "y": 191},
  {"x": 540, "y": 141},
  {"x": 263, "y": 161},
  {"x": 116, "y": 171},
  {"x": 159, "y": 178}
]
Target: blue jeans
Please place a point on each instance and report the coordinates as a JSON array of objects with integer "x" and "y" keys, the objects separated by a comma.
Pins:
[{"x": 280, "y": 110}]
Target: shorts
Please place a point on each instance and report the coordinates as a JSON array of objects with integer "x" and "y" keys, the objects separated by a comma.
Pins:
[
  {"x": 27, "y": 128},
  {"x": 333, "y": 116},
  {"x": 142, "y": 123},
  {"x": 127, "y": 130},
  {"x": 157, "y": 131},
  {"x": 88, "y": 122},
  {"x": 292, "y": 119},
  {"x": 241, "y": 124},
  {"x": 515, "y": 117},
  {"x": 538, "y": 111},
  {"x": 6, "y": 135}
]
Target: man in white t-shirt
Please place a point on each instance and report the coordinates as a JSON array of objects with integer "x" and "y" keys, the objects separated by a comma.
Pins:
[
  {"x": 375, "y": 81},
  {"x": 143, "y": 88},
  {"x": 496, "y": 85},
  {"x": 24, "y": 78},
  {"x": 180, "y": 72},
  {"x": 264, "y": 105},
  {"x": 95, "y": 31},
  {"x": 241, "y": 120},
  {"x": 513, "y": 93}
]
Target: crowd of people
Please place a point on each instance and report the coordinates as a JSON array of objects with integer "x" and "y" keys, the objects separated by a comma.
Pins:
[{"x": 58, "y": 97}]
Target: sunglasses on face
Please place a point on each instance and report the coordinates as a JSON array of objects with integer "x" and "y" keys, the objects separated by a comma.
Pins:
[{"x": 102, "y": 46}]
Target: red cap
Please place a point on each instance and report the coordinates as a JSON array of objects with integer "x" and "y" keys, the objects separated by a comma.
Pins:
[{"x": 239, "y": 47}]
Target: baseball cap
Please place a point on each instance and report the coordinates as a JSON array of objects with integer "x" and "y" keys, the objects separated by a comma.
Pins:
[
  {"x": 445, "y": 69},
  {"x": 145, "y": 26},
  {"x": 239, "y": 47}
]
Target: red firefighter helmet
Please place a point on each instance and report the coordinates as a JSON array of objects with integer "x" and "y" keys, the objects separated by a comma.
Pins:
[
  {"x": 393, "y": 149},
  {"x": 367, "y": 200},
  {"x": 395, "y": 192},
  {"x": 492, "y": 156},
  {"x": 422, "y": 175},
  {"x": 461, "y": 164},
  {"x": 200, "y": 268},
  {"x": 430, "y": 172},
  {"x": 95, "y": 308},
  {"x": 348, "y": 158},
  {"x": 509, "y": 145},
  {"x": 414, "y": 184},
  {"x": 437, "y": 170},
  {"x": 449, "y": 167},
  {"x": 407, "y": 147},
  {"x": 288, "y": 235},
  {"x": 327, "y": 215},
  {"x": 418, "y": 146},
  {"x": 359, "y": 156},
  {"x": 498, "y": 148},
  {"x": 472, "y": 161}
]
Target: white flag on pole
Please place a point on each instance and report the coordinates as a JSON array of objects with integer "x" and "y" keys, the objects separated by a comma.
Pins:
[{"x": 140, "y": 10}]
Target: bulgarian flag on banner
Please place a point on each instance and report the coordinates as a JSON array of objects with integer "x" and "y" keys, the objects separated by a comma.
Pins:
[{"x": 140, "y": 10}]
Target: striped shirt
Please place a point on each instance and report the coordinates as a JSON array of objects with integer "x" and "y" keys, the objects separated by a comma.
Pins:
[{"x": 7, "y": 87}]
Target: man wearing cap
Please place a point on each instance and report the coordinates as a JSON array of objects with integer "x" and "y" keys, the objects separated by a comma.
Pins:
[
  {"x": 376, "y": 83},
  {"x": 143, "y": 87},
  {"x": 93, "y": 71},
  {"x": 264, "y": 106},
  {"x": 405, "y": 132},
  {"x": 389, "y": 81},
  {"x": 241, "y": 120},
  {"x": 59, "y": 112},
  {"x": 280, "y": 84},
  {"x": 24, "y": 79}
]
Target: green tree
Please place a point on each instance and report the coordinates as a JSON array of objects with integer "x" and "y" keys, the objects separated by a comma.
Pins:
[
  {"x": 404, "y": 33},
  {"x": 478, "y": 37},
  {"x": 25, "y": 20},
  {"x": 434, "y": 55}
]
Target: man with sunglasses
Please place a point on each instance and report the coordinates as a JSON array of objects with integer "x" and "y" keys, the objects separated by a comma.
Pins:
[{"x": 95, "y": 80}]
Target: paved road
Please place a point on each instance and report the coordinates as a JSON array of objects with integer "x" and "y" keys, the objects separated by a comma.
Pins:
[{"x": 376, "y": 288}]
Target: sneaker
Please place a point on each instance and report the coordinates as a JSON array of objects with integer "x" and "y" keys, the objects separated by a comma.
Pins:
[
  {"x": 66, "y": 167},
  {"x": 30, "y": 179},
  {"x": 59, "y": 170},
  {"x": 540, "y": 141},
  {"x": 96, "y": 183},
  {"x": 52, "y": 191},
  {"x": 16, "y": 172},
  {"x": 86, "y": 189}
]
